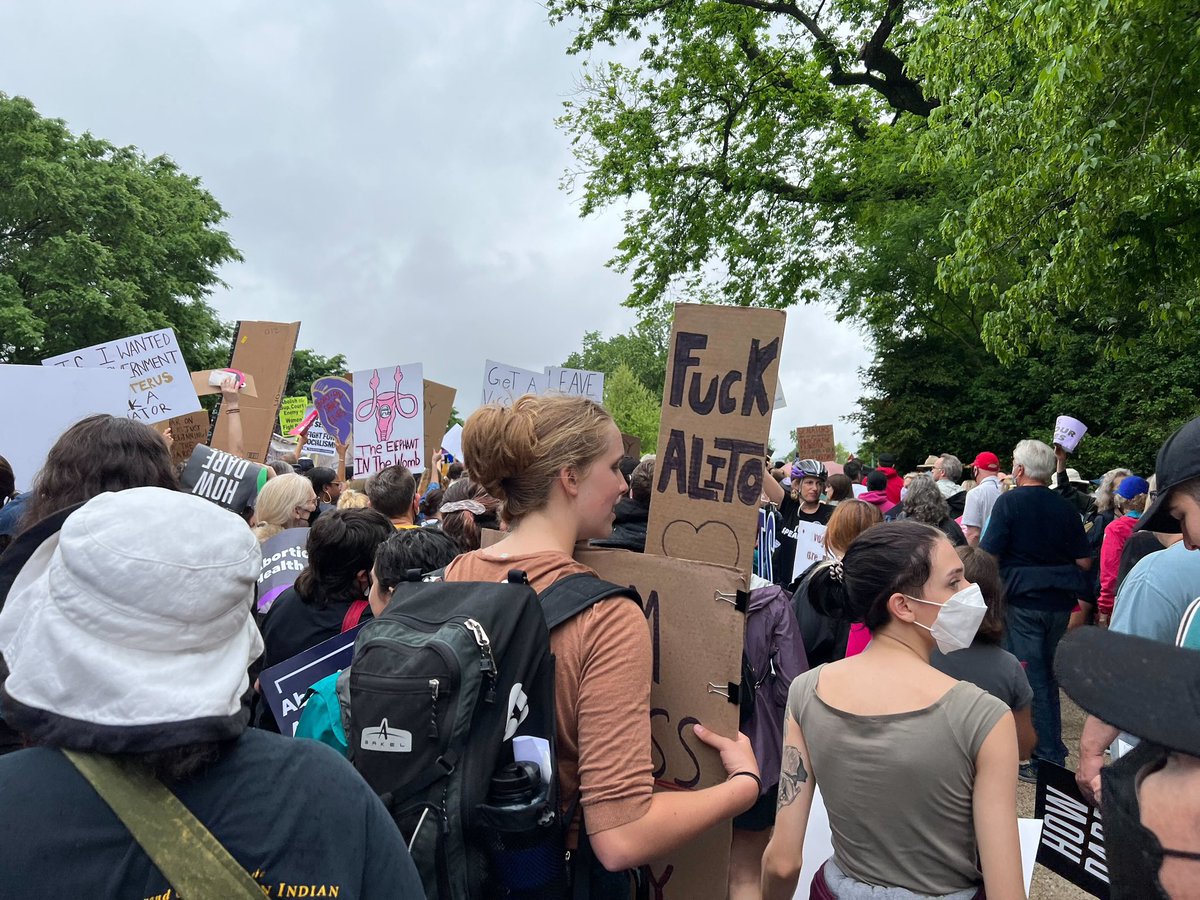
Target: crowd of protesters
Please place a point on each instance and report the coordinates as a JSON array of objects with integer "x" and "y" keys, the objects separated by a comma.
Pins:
[{"x": 928, "y": 639}]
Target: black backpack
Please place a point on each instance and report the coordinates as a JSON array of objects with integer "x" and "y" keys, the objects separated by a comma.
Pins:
[{"x": 440, "y": 685}]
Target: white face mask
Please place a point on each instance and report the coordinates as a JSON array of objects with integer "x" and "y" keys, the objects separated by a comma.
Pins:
[{"x": 958, "y": 619}]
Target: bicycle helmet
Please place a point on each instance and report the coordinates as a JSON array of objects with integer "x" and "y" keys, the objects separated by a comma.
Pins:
[{"x": 809, "y": 468}]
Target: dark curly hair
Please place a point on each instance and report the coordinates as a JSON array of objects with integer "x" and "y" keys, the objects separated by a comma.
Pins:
[{"x": 340, "y": 544}]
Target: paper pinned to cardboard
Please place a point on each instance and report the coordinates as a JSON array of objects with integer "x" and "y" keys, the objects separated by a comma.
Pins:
[
  {"x": 263, "y": 351},
  {"x": 209, "y": 381},
  {"x": 722, "y": 370}
]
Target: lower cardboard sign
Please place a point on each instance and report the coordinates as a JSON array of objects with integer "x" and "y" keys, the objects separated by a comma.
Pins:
[{"x": 1072, "y": 843}]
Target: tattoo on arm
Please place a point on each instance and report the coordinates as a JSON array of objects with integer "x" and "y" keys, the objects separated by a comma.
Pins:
[{"x": 792, "y": 774}]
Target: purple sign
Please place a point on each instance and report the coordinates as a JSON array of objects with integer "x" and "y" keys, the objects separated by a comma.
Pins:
[
  {"x": 284, "y": 558},
  {"x": 333, "y": 399}
]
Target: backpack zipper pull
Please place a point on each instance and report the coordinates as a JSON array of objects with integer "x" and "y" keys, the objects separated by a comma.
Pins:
[
  {"x": 434, "y": 685},
  {"x": 487, "y": 663}
]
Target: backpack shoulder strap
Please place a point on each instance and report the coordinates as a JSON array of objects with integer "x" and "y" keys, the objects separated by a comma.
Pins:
[
  {"x": 571, "y": 595},
  {"x": 189, "y": 857}
]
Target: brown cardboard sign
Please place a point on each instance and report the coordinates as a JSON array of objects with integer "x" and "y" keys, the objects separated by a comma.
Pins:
[
  {"x": 722, "y": 370},
  {"x": 188, "y": 432},
  {"x": 815, "y": 442},
  {"x": 203, "y": 383},
  {"x": 696, "y": 635},
  {"x": 439, "y": 404},
  {"x": 632, "y": 444},
  {"x": 264, "y": 350}
]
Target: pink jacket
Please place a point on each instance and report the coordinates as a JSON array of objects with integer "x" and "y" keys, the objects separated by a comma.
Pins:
[
  {"x": 877, "y": 498},
  {"x": 1115, "y": 536}
]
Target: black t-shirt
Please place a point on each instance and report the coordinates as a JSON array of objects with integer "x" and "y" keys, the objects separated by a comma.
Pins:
[
  {"x": 791, "y": 515},
  {"x": 291, "y": 811},
  {"x": 1033, "y": 527}
]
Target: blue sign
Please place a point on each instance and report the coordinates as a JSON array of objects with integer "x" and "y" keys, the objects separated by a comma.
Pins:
[{"x": 284, "y": 685}]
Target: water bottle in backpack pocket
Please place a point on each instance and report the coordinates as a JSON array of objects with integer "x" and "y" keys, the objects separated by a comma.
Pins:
[{"x": 524, "y": 834}]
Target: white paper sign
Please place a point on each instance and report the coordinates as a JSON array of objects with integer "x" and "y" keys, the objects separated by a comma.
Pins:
[
  {"x": 576, "y": 383},
  {"x": 1068, "y": 432},
  {"x": 503, "y": 383},
  {"x": 452, "y": 442},
  {"x": 159, "y": 383},
  {"x": 810, "y": 547},
  {"x": 37, "y": 404},
  {"x": 319, "y": 442},
  {"x": 389, "y": 419}
]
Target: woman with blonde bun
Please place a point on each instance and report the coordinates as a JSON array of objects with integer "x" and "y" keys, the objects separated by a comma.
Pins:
[
  {"x": 286, "y": 501},
  {"x": 553, "y": 462}
]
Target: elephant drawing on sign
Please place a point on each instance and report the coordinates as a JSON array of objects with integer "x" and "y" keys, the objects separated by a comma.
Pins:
[{"x": 386, "y": 406}]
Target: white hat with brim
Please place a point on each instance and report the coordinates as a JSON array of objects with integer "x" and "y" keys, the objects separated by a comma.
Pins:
[{"x": 132, "y": 629}]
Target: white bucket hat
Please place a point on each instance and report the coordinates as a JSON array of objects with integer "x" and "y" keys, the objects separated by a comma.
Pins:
[{"x": 132, "y": 629}]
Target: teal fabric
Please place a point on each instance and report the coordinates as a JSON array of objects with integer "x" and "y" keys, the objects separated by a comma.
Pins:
[{"x": 321, "y": 719}]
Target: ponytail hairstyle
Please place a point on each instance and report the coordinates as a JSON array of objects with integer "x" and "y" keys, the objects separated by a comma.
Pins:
[
  {"x": 883, "y": 560},
  {"x": 466, "y": 510},
  {"x": 515, "y": 453}
]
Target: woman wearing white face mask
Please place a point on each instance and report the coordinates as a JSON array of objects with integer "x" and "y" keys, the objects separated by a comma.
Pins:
[{"x": 918, "y": 771}]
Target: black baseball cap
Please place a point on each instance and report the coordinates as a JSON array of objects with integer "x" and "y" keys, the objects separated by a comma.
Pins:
[
  {"x": 1178, "y": 461},
  {"x": 1150, "y": 689}
]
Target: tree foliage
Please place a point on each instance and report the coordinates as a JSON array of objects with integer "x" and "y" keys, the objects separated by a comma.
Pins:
[
  {"x": 98, "y": 242},
  {"x": 307, "y": 366},
  {"x": 642, "y": 349},
  {"x": 635, "y": 410}
]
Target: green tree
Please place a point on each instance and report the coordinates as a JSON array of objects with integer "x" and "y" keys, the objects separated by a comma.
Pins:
[
  {"x": 307, "y": 366},
  {"x": 643, "y": 349},
  {"x": 98, "y": 242},
  {"x": 635, "y": 410}
]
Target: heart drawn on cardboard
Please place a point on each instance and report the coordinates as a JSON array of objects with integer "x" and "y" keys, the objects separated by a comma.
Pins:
[{"x": 713, "y": 542}]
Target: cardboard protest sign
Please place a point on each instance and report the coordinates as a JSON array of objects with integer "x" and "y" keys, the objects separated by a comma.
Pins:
[
  {"x": 186, "y": 433},
  {"x": 1068, "y": 432},
  {"x": 810, "y": 547},
  {"x": 159, "y": 384},
  {"x": 631, "y": 445},
  {"x": 37, "y": 404},
  {"x": 333, "y": 398},
  {"x": 815, "y": 442},
  {"x": 1072, "y": 834},
  {"x": 291, "y": 412},
  {"x": 503, "y": 383},
  {"x": 722, "y": 369},
  {"x": 696, "y": 638},
  {"x": 262, "y": 350},
  {"x": 285, "y": 684},
  {"x": 452, "y": 442},
  {"x": 226, "y": 480},
  {"x": 575, "y": 383},
  {"x": 389, "y": 423},
  {"x": 284, "y": 557},
  {"x": 439, "y": 405},
  {"x": 210, "y": 380}
]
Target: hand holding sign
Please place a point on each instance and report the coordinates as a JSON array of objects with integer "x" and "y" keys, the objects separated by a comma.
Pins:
[{"x": 1068, "y": 432}]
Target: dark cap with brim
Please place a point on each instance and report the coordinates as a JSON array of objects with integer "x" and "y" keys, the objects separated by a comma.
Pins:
[
  {"x": 1178, "y": 461},
  {"x": 1149, "y": 689}
]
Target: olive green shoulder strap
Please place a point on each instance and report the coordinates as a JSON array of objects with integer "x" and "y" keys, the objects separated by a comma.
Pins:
[{"x": 189, "y": 857}]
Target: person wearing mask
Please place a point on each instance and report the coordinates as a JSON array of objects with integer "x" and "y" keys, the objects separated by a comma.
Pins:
[
  {"x": 986, "y": 663},
  {"x": 977, "y": 508},
  {"x": 117, "y": 691},
  {"x": 554, "y": 463},
  {"x": 286, "y": 501},
  {"x": 1130, "y": 500},
  {"x": 801, "y": 504},
  {"x": 394, "y": 493},
  {"x": 1039, "y": 542},
  {"x": 932, "y": 759},
  {"x": 1150, "y": 797}
]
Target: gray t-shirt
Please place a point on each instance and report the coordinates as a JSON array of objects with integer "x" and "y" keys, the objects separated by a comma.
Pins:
[
  {"x": 898, "y": 787},
  {"x": 990, "y": 667},
  {"x": 980, "y": 500}
]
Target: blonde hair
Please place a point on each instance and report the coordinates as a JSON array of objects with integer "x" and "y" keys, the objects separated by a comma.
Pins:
[
  {"x": 516, "y": 452},
  {"x": 277, "y": 503},
  {"x": 352, "y": 499}
]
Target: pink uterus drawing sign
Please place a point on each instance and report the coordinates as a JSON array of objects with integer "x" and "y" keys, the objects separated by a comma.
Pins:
[{"x": 389, "y": 403}]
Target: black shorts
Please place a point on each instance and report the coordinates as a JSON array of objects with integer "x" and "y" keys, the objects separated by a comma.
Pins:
[{"x": 761, "y": 815}]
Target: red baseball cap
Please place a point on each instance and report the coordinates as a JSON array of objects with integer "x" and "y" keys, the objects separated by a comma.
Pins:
[{"x": 987, "y": 461}]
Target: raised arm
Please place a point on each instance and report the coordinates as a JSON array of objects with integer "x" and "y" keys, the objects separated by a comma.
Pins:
[
  {"x": 784, "y": 855},
  {"x": 231, "y": 404}
]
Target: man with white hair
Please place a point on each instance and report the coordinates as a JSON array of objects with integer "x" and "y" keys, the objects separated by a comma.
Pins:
[
  {"x": 947, "y": 472},
  {"x": 1038, "y": 539}
]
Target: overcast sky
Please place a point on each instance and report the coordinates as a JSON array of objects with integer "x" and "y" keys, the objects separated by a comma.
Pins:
[{"x": 390, "y": 170}]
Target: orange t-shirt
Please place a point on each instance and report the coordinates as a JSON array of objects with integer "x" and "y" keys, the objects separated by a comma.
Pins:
[{"x": 601, "y": 690}]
